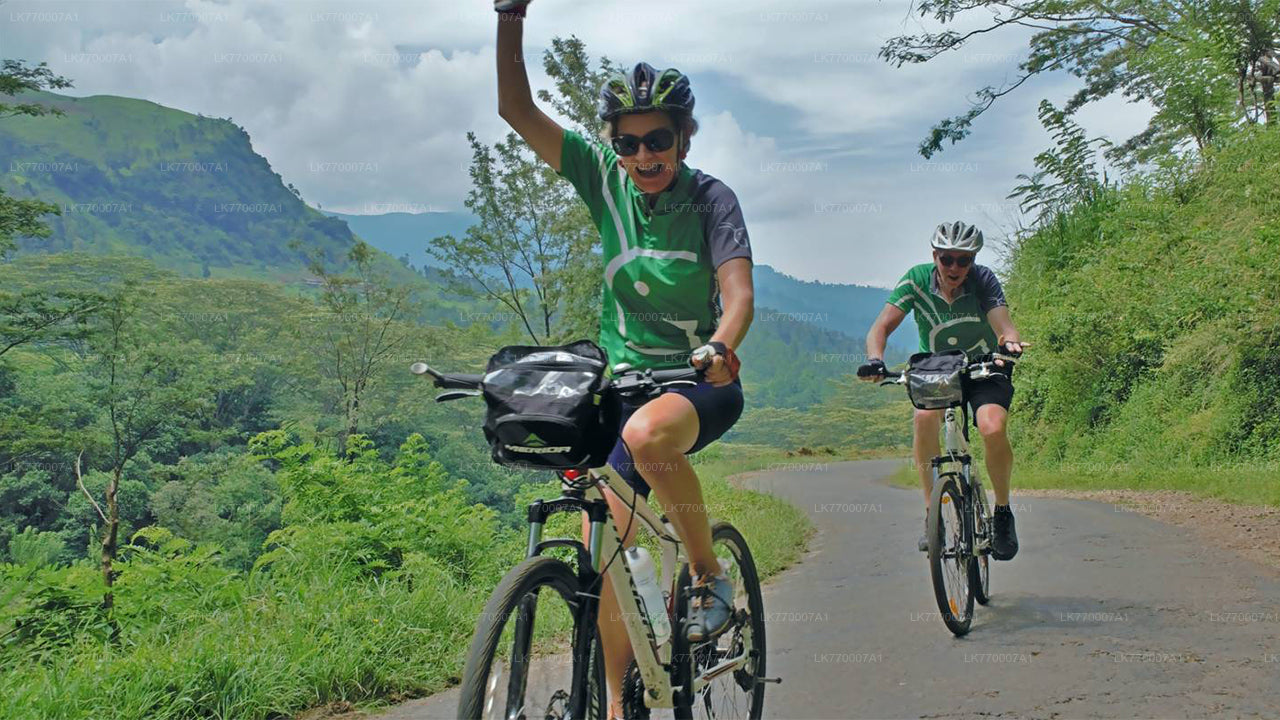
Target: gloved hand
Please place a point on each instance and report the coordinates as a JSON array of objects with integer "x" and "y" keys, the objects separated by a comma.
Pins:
[
  {"x": 718, "y": 362},
  {"x": 510, "y": 6},
  {"x": 872, "y": 370}
]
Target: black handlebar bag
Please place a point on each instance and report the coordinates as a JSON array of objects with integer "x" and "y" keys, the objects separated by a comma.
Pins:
[
  {"x": 935, "y": 380},
  {"x": 547, "y": 407}
]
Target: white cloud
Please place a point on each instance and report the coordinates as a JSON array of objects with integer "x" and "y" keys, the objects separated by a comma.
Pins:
[{"x": 814, "y": 133}]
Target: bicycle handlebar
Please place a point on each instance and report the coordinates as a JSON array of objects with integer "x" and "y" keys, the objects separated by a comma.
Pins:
[
  {"x": 631, "y": 383},
  {"x": 451, "y": 381},
  {"x": 981, "y": 369}
]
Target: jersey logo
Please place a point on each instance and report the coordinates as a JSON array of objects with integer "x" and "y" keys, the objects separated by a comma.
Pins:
[{"x": 738, "y": 234}]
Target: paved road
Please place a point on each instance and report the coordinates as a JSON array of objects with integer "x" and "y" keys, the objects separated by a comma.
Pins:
[{"x": 1105, "y": 613}]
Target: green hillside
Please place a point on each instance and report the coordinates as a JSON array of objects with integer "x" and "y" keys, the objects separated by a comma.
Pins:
[
  {"x": 187, "y": 191},
  {"x": 849, "y": 309},
  {"x": 1156, "y": 313}
]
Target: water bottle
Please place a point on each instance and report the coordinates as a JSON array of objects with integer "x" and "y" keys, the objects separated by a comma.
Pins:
[{"x": 646, "y": 578}]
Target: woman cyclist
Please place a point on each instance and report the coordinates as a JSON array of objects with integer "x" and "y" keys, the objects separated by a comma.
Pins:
[{"x": 677, "y": 278}]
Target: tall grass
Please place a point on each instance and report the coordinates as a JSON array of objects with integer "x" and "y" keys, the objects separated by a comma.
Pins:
[
  {"x": 354, "y": 623},
  {"x": 1155, "y": 310}
]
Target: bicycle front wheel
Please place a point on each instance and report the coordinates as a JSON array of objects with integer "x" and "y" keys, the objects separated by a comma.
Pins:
[
  {"x": 513, "y": 668},
  {"x": 949, "y": 556},
  {"x": 727, "y": 673},
  {"x": 980, "y": 563}
]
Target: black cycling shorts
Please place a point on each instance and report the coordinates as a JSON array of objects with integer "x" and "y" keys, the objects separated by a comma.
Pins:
[
  {"x": 718, "y": 409},
  {"x": 995, "y": 390}
]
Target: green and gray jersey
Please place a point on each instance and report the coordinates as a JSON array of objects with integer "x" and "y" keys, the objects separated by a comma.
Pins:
[
  {"x": 661, "y": 299},
  {"x": 957, "y": 325}
]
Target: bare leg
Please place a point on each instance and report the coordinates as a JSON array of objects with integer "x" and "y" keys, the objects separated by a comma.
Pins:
[
  {"x": 995, "y": 440},
  {"x": 926, "y": 447},
  {"x": 614, "y": 643},
  {"x": 658, "y": 435}
]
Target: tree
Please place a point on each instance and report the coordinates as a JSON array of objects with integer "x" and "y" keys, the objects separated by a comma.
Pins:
[
  {"x": 533, "y": 249},
  {"x": 360, "y": 330},
  {"x": 21, "y": 218},
  {"x": 1188, "y": 59},
  {"x": 150, "y": 388},
  {"x": 27, "y": 317}
]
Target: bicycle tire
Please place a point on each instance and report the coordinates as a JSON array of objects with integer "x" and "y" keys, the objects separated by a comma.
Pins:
[
  {"x": 980, "y": 563},
  {"x": 687, "y": 658},
  {"x": 511, "y": 599},
  {"x": 945, "y": 539}
]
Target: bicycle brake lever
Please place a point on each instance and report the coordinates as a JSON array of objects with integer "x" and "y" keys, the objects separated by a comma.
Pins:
[{"x": 456, "y": 395}]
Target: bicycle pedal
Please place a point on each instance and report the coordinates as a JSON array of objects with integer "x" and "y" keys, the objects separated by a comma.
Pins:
[{"x": 776, "y": 680}]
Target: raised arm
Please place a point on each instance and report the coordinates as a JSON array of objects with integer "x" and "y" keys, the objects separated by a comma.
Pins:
[{"x": 515, "y": 100}]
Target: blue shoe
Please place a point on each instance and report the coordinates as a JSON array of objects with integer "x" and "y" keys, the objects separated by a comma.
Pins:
[{"x": 710, "y": 607}]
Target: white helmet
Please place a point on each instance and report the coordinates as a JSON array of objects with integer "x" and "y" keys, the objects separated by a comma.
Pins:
[{"x": 957, "y": 236}]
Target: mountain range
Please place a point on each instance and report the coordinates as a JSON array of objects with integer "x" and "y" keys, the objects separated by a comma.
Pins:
[{"x": 189, "y": 193}]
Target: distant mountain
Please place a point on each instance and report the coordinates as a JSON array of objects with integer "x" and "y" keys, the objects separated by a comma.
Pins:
[
  {"x": 186, "y": 191},
  {"x": 399, "y": 234},
  {"x": 849, "y": 309}
]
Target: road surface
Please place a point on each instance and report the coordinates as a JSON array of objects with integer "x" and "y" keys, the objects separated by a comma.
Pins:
[{"x": 1104, "y": 613}]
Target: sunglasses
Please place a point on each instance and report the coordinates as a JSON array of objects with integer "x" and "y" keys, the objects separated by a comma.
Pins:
[
  {"x": 657, "y": 141},
  {"x": 963, "y": 261}
]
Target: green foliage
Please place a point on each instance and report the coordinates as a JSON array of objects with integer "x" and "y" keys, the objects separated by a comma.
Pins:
[
  {"x": 16, "y": 77},
  {"x": 361, "y": 513},
  {"x": 35, "y": 549},
  {"x": 1067, "y": 174},
  {"x": 1154, "y": 310},
  {"x": 23, "y": 218},
  {"x": 224, "y": 498},
  {"x": 1204, "y": 65},
  {"x": 45, "y": 611}
]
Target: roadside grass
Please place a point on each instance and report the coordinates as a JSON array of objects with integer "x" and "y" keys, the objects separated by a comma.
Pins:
[
  {"x": 256, "y": 647},
  {"x": 775, "y": 530},
  {"x": 1241, "y": 484}
]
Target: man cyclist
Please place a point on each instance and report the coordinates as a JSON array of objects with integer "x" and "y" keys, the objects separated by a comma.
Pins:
[
  {"x": 958, "y": 305},
  {"x": 677, "y": 278}
]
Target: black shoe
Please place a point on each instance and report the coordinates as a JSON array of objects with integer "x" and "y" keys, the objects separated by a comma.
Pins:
[{"x": 1004, "y": 544}]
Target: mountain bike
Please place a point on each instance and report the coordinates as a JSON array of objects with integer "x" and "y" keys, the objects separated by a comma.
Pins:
[
  {"x": 959, "y": 525},
  {"x": 518, "y": 665}
]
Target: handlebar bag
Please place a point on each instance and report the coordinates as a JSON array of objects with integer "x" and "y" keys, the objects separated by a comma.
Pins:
[
  {"x": 934, "y": 380},
  {"x": 548, "y": 407}
]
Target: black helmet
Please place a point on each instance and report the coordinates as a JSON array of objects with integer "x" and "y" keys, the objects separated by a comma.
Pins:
[{"x": 645, "y": 89}]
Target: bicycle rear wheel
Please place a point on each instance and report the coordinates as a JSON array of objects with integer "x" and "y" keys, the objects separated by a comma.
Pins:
[
  {"x": 733, "y": 693},
  {"x": 980, "y": 563},
  {"x": 948, "y": 557},
  {"x": 507, "y": 675}
]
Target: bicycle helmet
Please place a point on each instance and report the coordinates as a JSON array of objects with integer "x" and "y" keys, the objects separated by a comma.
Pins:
[
  {"x": 957, "y": 236},
  {"x": 645, "y": 89}
]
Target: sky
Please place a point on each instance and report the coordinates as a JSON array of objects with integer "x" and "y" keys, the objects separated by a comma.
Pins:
[{"x": 364, "y": 105}]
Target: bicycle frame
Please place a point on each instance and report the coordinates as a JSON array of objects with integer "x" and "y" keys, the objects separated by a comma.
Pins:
[
  {"x": 603, "y": 545},
  {"x": 956, "y": 453}
]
